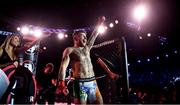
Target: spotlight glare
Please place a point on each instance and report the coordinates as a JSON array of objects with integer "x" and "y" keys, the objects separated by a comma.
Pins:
[
  {"x": 44, "y": 48},
  {"x": 167, "y": 55},
  {"x": 66, "y": 36},
  {"x": 31, "y": 32},
  {"x": 18, "y": 28},
  {"x": 25, "y": 30},
  {"x": 148, "y": 59},
  {"x": 116, "y": 21},
  {"x": 140, "y": 37},
  {"x": 149, "y": 34},
  {"x": 111, "y": 25},
  {"x": 38, "y": 33},
  {"x": 60, "y": 35},
  {"x": 140, "y": 12},
  {"x": 157, "y": 57},
  {"x": 175, "y": 52},
  {"x": 101, "y": 29},
  {"x": 139, "y": 61}
]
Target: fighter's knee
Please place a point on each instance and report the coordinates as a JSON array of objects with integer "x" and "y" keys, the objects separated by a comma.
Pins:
[{"x": 99, "y": 100}]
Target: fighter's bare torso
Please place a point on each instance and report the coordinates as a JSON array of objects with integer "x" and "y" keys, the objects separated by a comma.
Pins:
[{"x": 81, "y": 62}]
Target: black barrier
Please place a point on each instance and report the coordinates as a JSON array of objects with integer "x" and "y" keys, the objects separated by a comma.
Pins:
[{"x": 113, "y": 54}]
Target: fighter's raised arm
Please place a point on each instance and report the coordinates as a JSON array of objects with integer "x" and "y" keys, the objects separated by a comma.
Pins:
[{"x": 95, "y": 33}]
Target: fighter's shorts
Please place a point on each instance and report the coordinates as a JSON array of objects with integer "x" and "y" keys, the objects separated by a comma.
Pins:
[{"x": 86, "y": 89}]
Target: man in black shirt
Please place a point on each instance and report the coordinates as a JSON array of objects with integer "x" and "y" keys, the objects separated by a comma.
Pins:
[{"x": 46, "y": 84}]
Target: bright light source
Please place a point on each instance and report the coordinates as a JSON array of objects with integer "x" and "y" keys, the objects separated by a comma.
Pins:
[
  {"x": 167, "y": 55},
  {"x": 44, "y": 48},
  {"x": 175, "y": 52},
  {"x": 60, "y": 35},
  {"x": 157, "y": 57},
  {"x": 149, "y": 34},
  {"x": 18, "y": 28},
  {"x": 38, "y": 33},
  {"x": 139, "y": 61},
  {"x": 116, "y": 21},
  {"x": 140, "y": 37},
  {"x": 25, "y": 30},
  {"x": 31, "y": 32},
  {"x": 66, "y": 36},
  {"x": 140, "y": 12},
  {"x": 101, "y": 29},
  {"x": 111, "y": 25},
  {"x": 148, "y": 60}
]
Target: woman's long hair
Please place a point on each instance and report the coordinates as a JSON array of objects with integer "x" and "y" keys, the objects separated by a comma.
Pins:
[{"x": 7, "y": 42}]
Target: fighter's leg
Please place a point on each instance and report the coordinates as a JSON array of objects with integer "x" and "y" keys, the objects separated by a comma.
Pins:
[
  {"x": 99, "y": 99},
  {"x": 94, "y": 95},
  {"x": 80, "y": 96},
  {"x": 83, "y": 97}
]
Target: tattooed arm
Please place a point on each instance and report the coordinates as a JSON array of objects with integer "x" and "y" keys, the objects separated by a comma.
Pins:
[{"x": 95, "y": 33}]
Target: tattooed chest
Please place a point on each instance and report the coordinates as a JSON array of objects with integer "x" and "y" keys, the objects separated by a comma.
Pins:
[{"x": 80, "y": 55}]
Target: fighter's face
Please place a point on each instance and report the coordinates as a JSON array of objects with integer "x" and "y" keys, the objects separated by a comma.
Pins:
[
  {"x": 82, "y": 39},
  {"x": 15, "y": 41}
]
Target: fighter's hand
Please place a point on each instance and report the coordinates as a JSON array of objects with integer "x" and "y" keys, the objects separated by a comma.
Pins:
[
  {"x": 101, "y": 19},
  {"x": 62, "y": 90},
  {"x": 114, "y": 76}
]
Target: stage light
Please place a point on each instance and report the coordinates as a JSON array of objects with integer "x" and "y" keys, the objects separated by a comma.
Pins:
[
  {"x": 31, "y": 32},
  {"x": 175, "y": 52},
  {"x": 66, "y": 36},
  {"x": 44, "y": 48},
  {"x": 38, "y": 33},
  {"x": 139, "y": 61},
  {"x": 167, "y": 55},
  {"x": 105, "y": 27},
  {"x": 60, "y": 35},
  {"x": 140, "y": 37},
  {"x": 101, "y": 29},
  {"x": 148, "y": 60},
  {"x": 116, "y": 21},
  {"x": 18, "y": 28},
  {"x": 149, "y": 34},
  {"x": 157, "y": 58},
  {"x": 25, "y": 30},
  {"x": 111, "y": 25},
  {"x": 140, "y": 12}
]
